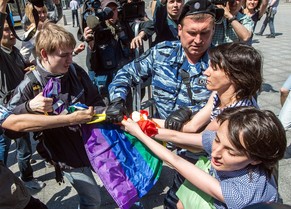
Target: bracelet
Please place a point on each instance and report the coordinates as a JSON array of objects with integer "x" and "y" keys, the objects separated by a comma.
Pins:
[
  {"x": 74, "y": 53},
  {"x": 231, "y": 19}
]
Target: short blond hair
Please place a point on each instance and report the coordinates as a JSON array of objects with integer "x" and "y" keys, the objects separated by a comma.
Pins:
[{"x": 52, "y": 37}]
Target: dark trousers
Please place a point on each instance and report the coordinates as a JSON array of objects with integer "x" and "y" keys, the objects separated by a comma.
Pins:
[
  {"x": 35, "y": 203},
  {"x": 24, "y": 153},
  {"x": 75, "y": 15}
]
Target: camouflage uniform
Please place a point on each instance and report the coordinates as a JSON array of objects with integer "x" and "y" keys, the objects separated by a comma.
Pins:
[{"x": 162, "y": 64}]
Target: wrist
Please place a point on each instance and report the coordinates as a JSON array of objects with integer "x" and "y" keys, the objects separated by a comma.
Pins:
[
  {"x": 70, "y": 118},
  {"x": 27, "y": 107},
  {"x": 230, "y": 20},
  {"x": 74, "y": 53}
]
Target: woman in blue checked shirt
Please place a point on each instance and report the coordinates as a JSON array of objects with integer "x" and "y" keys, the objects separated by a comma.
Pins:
[{"x": 243, "y": 152}]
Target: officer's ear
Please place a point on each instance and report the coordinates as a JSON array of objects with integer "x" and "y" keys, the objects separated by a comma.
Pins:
[{"x": 180, "y": 27}]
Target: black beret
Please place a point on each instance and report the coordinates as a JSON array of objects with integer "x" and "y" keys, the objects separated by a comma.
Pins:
[
  {"x": 38, "y": 3},
  {"x": 199, "y": 7}
]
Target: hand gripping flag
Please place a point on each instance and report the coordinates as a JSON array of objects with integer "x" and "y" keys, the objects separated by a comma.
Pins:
[{"x": 127, "y": 168}]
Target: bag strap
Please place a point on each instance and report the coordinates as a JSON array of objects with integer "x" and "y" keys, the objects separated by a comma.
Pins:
[
  {"x": 32, "y": 32},
  {"x": 35, "y": 79},
  {"x": 186, "y": 80}
]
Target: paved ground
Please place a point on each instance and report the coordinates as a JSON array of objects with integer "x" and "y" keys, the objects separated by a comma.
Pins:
[{"x": 277, "y": 64}]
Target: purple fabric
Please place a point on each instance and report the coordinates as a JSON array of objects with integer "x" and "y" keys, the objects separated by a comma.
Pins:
[
  {"x": 109, "y": 169},
  {"x": 52, "y": 90}
]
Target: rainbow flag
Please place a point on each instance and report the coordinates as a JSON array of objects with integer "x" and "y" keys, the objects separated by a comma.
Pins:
[{"x": 127, "y": 168}]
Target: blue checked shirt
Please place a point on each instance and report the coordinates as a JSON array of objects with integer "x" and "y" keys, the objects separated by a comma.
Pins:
[
  {"x": 224, "y": 32},
  {"x": 162, "y": 63},
  {"x": 242, "y": 187},
  {"x": 216, "y": 110}
]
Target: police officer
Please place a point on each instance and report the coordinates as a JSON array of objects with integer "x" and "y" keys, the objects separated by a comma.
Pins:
[{"x": 176, "y": 69}]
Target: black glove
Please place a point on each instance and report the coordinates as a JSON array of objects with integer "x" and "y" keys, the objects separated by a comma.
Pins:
[
  {"x": 177, "y": 118},
  {"x": 116, "y": 111}
]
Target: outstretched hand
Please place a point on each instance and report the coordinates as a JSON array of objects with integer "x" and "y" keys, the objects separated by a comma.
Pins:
[
  {"x": 116, "y": 111},
  {"x": 79, "y": 48},
  {"x": 136, "y": 42},
  {"x": 88, "y": 34},
  {"x": 82, "y": 116},
  {"x": 132, "y": 127},
  {"x": 227, "y": 13}
]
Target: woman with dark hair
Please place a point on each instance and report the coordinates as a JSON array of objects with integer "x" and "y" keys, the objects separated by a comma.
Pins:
[
  {"x": 243, "y": 153},
  {"x": 254, "y": 9},
  {"x": 234, "y": 76}
]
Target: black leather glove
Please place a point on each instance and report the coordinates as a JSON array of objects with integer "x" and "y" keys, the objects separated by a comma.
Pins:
[
  {"x": 116, "y": 111},
  {"x": 177, "y": 118}
]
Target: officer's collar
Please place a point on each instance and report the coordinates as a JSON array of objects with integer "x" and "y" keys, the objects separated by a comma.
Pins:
[{"x": 203, "y": 61}]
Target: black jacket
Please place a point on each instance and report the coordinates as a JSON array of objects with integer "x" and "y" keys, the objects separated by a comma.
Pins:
[
  {"x": 11, "y": 66},
  {"x": 65, "y": 143}
]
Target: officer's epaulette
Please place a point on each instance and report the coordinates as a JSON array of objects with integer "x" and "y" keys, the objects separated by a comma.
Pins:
[{"x": 167, "y": 44}]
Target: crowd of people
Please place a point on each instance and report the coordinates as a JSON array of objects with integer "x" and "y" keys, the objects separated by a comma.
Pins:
[{"x": 204, "y": 75}]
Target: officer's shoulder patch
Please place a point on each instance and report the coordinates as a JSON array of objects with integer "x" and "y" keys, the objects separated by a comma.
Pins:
[{"x": 166, "y": 44}]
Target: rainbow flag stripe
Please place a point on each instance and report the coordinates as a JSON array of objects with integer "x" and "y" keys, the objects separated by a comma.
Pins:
[{"x": 127, "y": 168}]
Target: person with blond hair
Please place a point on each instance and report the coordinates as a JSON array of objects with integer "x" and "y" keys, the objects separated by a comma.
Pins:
[
  {"x": 54, "y": 48},
  {"x": 29, "y": 23}
]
